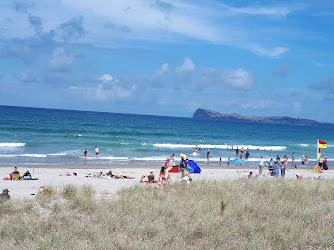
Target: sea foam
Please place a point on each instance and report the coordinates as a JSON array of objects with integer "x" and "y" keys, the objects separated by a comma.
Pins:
[
  {"x": 210, "y": 146},
  {"x": 11, "y": 144}
]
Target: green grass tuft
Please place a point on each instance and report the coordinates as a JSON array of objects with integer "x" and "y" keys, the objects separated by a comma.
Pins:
[{"x": 268, "y": 214}]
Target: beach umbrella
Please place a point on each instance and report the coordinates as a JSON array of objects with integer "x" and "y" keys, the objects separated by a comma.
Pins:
[
  {"x": 175, "y": 169},
  {"x": 193, "y": 167}
]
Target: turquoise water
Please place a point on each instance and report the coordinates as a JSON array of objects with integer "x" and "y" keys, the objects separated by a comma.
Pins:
[{"x": 126, "y": 138}]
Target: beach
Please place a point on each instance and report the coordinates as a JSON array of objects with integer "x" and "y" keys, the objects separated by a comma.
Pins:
[{"x": 51, "y": 176}]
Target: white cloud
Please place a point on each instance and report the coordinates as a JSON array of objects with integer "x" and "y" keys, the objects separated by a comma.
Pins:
[
  {"x": 187, "y": 66},
  {"x": 161, "y": 71},
  {"x": 106, "y": 78},
  {"x": 59, "y": 60},
  {"x": 238, "y": 78},
  {"x": 272, "y": 52},
  {"x": 274, "y": 11},
  {"x": 103, "y": 92}
]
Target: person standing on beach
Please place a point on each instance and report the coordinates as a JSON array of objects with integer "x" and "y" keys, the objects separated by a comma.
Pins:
[
  {"x": 247, "y": 155},
  {"x": 303, "y": 161},
  {"x": 261, "y": 161},
  {"x": 306, "y": 161},
  {"x": 172, "y": 160},
  {"x": 321, "y": 162},
  {"x": 85, "y": 153},
  {"x": 276, "y": 170},
  {"x": 208, "y": 154},
  {"x": 97, "y": 152},
  {"x": 284, "y": 166},
  {"x": 237, "y": 151},
  {"x": 228, "y": 161},
  {"x": 242, "y": 150},
  {"x": 293, "y": 159},
  {"x": 325, "y": 164}
]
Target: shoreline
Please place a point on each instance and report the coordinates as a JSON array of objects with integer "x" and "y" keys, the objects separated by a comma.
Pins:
[
  {"x": 137, "y": 166},
  {"x": 53, "y": 176}
]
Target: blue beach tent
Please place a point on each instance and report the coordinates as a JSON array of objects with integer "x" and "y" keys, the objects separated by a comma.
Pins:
[{"x": 193, "y": 167}]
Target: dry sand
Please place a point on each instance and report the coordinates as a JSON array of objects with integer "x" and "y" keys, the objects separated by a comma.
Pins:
[{"x": 50, "y": 176}]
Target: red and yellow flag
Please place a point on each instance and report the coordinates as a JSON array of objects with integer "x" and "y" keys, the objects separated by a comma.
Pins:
[{"x": 321, "y": 144}]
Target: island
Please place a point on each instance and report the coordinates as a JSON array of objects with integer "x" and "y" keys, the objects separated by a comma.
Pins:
[{"x": 211, "y": 114}]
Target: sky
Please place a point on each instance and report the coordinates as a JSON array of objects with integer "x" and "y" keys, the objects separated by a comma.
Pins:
[{"x": 169, "y": 57}]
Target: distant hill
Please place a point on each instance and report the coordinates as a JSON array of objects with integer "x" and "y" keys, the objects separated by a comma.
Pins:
[{"x": 211, "y": 114}]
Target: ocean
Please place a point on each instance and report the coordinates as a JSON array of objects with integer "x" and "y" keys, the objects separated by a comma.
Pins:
[{"x": 59, "y": 137}]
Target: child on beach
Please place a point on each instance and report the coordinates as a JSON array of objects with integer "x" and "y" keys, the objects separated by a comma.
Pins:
[
  {"x": 250, "y": 176},
  {"x": 228, "y": 161}
]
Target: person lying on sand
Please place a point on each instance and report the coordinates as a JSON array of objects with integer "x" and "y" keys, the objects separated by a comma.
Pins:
[
  {"x": 99, "y": 175},
  {"x": 120, "y": 176},
  {"x": 110, "y": 174},
  {"x": 73, "y": 174}
]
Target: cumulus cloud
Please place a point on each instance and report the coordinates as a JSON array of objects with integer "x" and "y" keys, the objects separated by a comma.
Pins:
[
  {"x": 103, "y": 92},
  {"x": 238, "y": 78},
  {"x": 106, "y": 78},
  {"x": 282, "y": 70},
  {"x": 161, "y": 71},
  {"x": 187, "y": 66},
  {"x": 60, "y": 61}
]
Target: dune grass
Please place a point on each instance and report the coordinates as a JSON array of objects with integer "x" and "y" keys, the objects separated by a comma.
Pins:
[{"x": 266, "y": 214}]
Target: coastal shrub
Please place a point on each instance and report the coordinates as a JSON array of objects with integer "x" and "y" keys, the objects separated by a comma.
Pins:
[{"x": 257, "y": 214}]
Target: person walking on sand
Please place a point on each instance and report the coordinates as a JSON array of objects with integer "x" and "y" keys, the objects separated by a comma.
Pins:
[
  {"x": 261, "y": 161},
  {"x": 97, "y": 152},
  {"x": 303, "y": 161}
]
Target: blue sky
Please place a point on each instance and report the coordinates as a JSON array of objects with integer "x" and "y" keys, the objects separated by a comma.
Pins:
[{"x": 166, "y": 57}]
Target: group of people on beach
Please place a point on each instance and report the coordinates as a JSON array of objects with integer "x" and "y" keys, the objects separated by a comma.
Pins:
[
  {"x": 96, "y": 150},
  {"x": 279, "y": 166},
  {"x": 164, "y": 177},
  {"x": 15, "y": 175}
]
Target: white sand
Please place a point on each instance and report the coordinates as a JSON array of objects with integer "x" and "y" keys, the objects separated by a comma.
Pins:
[{"x": 109, "y": 186}]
